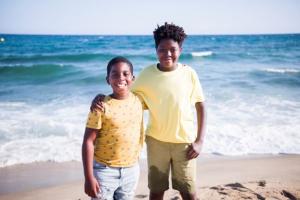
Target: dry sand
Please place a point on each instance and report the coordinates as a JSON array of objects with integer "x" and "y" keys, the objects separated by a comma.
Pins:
[{"x": 219, "y": 177}]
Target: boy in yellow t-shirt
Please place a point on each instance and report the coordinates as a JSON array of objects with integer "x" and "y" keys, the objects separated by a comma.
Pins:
[
  {"x": 113, "y": 138},
  {"x": 170, "y": 90}
]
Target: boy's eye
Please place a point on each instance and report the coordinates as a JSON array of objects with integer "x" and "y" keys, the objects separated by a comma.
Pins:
[
  {"x": 172, "y": 50},
  {"x": 114, "y": 75},
  {"x": 117, "y": 75}
]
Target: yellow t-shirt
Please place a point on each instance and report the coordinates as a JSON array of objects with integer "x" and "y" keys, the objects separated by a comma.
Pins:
[
  {"x": 170, "y": 98},
  {"x": 121, "y": 135}
]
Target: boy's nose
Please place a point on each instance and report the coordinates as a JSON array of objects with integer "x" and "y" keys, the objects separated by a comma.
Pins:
[{"x": 121, "y": 77}]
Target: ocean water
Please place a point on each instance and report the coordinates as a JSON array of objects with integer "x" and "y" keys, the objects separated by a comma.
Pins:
[{"x": 251, "y": 84}]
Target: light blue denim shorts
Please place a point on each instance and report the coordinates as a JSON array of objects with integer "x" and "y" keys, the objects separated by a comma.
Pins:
[{"x": 116, "y": 182}]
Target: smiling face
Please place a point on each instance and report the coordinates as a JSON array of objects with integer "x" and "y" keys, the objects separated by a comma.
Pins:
[
  {"x": 120, "y": 78},
  {"x": 168, "y": 52}
]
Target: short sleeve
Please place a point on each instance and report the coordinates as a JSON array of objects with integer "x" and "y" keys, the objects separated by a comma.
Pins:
[
  {"x": 137, "y": 85},
  {"x": 144, "y": 105},
  {"x": 197, "y": 93},
  {"x": 94, "y": 120},
  {"x": 140, "y": 82}
]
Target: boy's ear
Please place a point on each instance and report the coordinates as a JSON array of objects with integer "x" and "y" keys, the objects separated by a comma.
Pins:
[
  {"x": 107, "y": 80},
  {"x": 133, "y": 77}
]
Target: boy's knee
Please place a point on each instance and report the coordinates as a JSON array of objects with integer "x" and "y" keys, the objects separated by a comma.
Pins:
[
  {"x": 183, "y": 186},
  {"x": 158, "y": 181},
  {"x": 156, "y": 195},
  {"x": 188, "y": 196}
]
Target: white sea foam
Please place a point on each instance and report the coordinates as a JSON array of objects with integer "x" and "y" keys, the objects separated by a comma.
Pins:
[
  {"x": 236, "y": 126},
  {"x": 30, "y": 133},
  {"x": 253, "y": 125},
  {"x": 202, "y": 53},
  {"x": 11, "y": 104},
  {"x": 50, "y": 148},
  {"x": 84, "y": 40},
  {"x": 281, "y": 70}
]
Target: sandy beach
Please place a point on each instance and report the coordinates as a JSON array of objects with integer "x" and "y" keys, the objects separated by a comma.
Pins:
[{"x": 219, "y": 177}]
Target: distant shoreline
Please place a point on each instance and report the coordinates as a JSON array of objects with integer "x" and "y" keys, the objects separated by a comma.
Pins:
[{"x": 148, "y": 35}]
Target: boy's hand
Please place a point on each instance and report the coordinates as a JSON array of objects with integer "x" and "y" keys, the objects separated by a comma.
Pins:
[
  {"x": 97, "y": 103},
  {"x": 91, "y": 187},
  {"x": 194, "y": 150}
]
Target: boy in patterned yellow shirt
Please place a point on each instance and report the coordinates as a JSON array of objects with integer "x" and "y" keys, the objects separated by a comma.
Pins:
[{"x": 113, "y": 139}]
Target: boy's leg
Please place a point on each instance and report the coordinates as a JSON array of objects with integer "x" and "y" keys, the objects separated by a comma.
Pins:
[
  {"x": 183, "y": 172},
  {"x": 158, "y": 157},
  {"x": 128, "y": 182},
  {"x": 108, "y": 179}
]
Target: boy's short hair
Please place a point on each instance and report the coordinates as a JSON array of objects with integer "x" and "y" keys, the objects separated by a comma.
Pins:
[
  {"x": 169, "y": 31},
  {"x": 116, "y": 60}
]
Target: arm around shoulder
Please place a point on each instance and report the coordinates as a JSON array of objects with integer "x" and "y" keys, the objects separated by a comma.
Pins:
[{"x": 97, "y": 103}]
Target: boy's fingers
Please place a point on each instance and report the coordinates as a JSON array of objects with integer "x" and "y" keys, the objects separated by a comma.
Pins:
[
  {"x": 91, "y": 193},
  {"x": 100, "y": 106},
  {"x": 99, "y": 97},
  {"x": 97, "y": 103},
  {"x": 94, "y": 195},
  {"x": 194, "y": 155},
  {"x": 97, "y": 187},
  {"x": 190, "y": 152},
  {"x": 95, "y": 191}
]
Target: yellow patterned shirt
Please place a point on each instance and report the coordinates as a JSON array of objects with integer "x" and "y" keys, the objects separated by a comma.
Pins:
[{"x": 120, "y": 137}]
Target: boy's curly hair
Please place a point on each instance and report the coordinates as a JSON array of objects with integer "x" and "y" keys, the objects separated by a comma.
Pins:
[
  {"x": 169, "y": 31},
  {"x": 116, "y": 60}
]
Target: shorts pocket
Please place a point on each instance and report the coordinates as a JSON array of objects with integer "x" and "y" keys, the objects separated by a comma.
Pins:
[{"x": 97, "y": 165}]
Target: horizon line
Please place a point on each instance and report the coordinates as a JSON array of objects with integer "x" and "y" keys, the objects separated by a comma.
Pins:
[{"x": 200, "y": 34}]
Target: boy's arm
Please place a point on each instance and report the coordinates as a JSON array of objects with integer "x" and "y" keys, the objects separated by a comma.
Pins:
[
  {"x": 91, "y": 185},
  {"x": 97, "y": 103},
  {"x": 195, "y": 148}
]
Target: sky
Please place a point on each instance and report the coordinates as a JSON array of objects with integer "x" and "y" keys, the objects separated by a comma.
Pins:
[{"x": 140, "y": 17}]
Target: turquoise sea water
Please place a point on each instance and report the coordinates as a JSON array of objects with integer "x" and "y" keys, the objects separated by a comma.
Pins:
[{"x": 251, "y": 84}]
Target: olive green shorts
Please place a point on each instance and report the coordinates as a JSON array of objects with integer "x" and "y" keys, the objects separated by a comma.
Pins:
[{"x": 163, "y": 157}]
